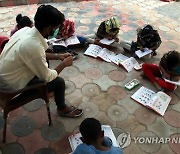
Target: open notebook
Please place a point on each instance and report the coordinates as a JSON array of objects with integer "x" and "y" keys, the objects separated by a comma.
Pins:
[
  {"x": 156, "y": 101},
  {"x": 109, "y": 56},
  {"x": 141, "y": 54},
  {"x": 72, "y": 40},
  {"x": 75, "y": 140},
  {"x": 98, "y": 52}
]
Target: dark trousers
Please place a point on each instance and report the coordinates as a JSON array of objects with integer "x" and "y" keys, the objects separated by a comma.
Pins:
[{"x": 57, "y": 86}]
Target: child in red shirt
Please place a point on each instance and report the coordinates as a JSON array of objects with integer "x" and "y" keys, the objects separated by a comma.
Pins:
[{"x": 169, "y": 68}]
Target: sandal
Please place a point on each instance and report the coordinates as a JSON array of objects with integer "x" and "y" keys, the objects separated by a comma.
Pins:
[{"x": 72, "y": 113}]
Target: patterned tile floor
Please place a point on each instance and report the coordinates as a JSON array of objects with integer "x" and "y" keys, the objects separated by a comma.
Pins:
[{"x": 97, "y": 86}]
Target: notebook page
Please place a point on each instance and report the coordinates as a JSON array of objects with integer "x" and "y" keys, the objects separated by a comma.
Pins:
[
  {"x": 141, "y": 54},
  {"x": 117, "y": 59},
  {"x": 109, "y": 133},
  {"x": 129, "y": 63},
  {"x": 75, "y": 140},
  {"x": 60, "y": 42},
  {"x": 93, "y": 50},
  {"x": 72, "y": 40},
  {"x": 143, "y": 95},
  {"x": 160, "y": 102},
  {"x": 106, "y": 55}
]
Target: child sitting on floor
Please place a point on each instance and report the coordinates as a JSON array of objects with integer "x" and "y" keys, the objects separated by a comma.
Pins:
[
  {"x": 169, "y": 68},
  {"x": 22, "y": 21},
  {"x": 64, "y": 32},
  {"x": 147, "y": 37},
  {"x": 92, "y": 138},
  {"x": 108, "y": 29}
]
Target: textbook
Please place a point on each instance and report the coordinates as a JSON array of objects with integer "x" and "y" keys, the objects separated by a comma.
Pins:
[
  {"x": 141, "y": 54},
  {"x": 156, "y": 101},
  {"x": 126, "y": 62},
  {"x": 99, "y": 52},
  {"x": 75, "y": 140},
  {"x": 129, "y": 64},
  {"x": 73, "y": 40},
  {"x": 109, "y": 56}
]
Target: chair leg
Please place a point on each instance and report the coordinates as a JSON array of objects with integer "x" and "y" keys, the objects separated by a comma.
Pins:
[
  {"x": 49, "y": 114},
  {"x": 4, "y": 129}
]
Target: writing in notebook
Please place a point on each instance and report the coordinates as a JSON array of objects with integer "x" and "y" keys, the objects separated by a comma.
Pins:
[
  {"x": 64, "y": 42},
  {"x": 141, "y": 54},
  {"x": 75, "y": 140},
  {"x": 156, "y": 101}
]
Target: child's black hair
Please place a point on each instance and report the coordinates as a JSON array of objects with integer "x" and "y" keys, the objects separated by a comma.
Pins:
[
  {"x": 90, "y": 129},
  {"x": 171, "y": 62},
  {"x": 48, "y": 15},
  {"x": 147, "y": 30},
  {"x": 23, "y": 21}
]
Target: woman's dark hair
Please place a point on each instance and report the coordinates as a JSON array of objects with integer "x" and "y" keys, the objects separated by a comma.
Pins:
[
  {"x": 48, "y": 15},
  {"x": 171, "y": 62},
  {"x": 90, "y": 129},
  {"x": 23, "y": 21}
]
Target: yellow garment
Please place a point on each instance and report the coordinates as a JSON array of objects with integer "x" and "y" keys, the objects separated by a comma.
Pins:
[{"x": 110, "y": 24}]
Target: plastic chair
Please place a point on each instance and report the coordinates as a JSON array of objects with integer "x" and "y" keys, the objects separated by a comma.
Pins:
[{"x": 12, "y": 100}]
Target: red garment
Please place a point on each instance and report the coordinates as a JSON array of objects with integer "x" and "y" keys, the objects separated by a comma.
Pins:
[
  {"x": 67, "y": 30},
  {"x": 3, "y": 41},
  {"x": 153, "y": 73}
]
